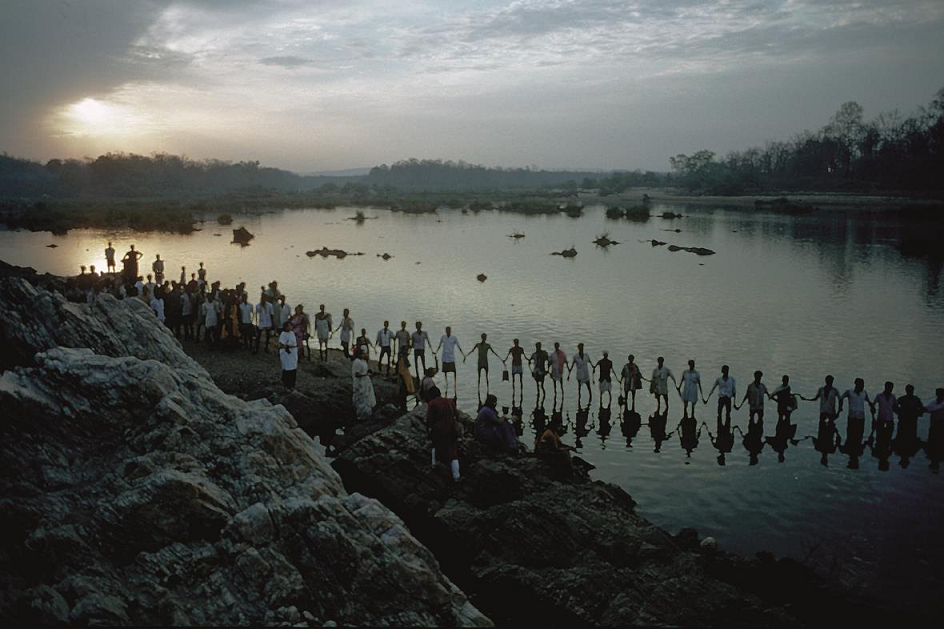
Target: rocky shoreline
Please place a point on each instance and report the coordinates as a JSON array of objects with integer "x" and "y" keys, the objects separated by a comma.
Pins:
[{"x": 147, "y": 481}]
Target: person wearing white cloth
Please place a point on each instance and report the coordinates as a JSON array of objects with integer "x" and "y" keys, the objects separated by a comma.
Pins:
[
  {"x": 659, "y": 384},
  {"x": 581, "y": 363},
  {"x": 264, "y": 314},
  {"x": 690, "y": 388},
  {"x": 363, "y": 396},
  {"x": 347, "y": 329},
  {"x": 288, "y": 355},
  {"x": 211, "y": 320},
  {"x": 157, "y": 305},
  {"x": 323, "y": 325},
  {"x": 449, "y": 343}
]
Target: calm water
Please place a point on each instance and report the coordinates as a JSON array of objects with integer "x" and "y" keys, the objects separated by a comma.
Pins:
[{"x": 801, "y": 296}]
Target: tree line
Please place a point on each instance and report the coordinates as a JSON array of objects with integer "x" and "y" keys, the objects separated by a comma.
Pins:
[{"x": 890, "y": 152}]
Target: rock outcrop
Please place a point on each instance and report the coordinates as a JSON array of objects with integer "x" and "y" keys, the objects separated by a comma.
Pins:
[
  {"x": 534, "y": 544},
  {"x": 135, "y": 491}
]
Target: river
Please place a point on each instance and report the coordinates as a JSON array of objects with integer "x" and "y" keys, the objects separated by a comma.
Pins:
[{"x": 804, "y": 296}]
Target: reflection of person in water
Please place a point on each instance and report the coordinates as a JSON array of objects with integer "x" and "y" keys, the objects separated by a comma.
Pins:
[
  {"x": 689, "y": 435},
  {"x": 906, "y": 443},
  {"x": 538, "y": 419},
  {"x": 827, "y": 440},
  {"x": 724, "y": 441},
  {"x": 581, "y": 430},
  {"x": 935, "y": 444},
  {"x": 657, "y": 430},
  {"x": 603, "y": 430},
  {"x": 753, "y": 441},
  {"x": 630, "y": 424},
  {"x": 784, "y": 435},
  {"x": 880, "y": 441}
]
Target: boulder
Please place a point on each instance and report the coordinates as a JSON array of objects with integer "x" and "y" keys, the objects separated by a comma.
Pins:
[{"x": 134, "y": 491}]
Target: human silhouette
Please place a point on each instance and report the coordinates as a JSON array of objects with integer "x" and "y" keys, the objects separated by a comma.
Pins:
[
  {"x": 630, "y": 424},
  {"x": 753, "y": 441},
  {"x": 827, "y": 440},
  {"x": 723, "y": 440},
  {"x": 657, "y": 432},
  {"x": 604, "y": 427},
  {"x": 689, "y": 434},
  {"x": 538, "y": 363}
]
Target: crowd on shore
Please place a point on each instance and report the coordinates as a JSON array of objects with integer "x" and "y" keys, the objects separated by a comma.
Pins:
[{"x": 227, "y": 317}]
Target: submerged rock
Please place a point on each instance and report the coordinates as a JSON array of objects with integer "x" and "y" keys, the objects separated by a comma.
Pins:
[
  {"x": 224, "y": 219},
  {"x": 481, "y": 277},
  {"x": 698, "y": 251},
  {"x": 242, "y": 236},
  {"x": 567, "y": 253},
  {"x": 135, "y": 492},
  {"x": 605, "y": 241},
  {"x": 324, "y": 252},
  {"x": 52, "y": 246},
  {"x": 385, "y": 256}
]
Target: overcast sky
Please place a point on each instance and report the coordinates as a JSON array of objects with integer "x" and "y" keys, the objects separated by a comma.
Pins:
[{"x": 319, "y": 85}]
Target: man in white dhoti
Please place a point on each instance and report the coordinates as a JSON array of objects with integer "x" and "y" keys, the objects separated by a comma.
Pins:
[{"x": 363, "y": 397}]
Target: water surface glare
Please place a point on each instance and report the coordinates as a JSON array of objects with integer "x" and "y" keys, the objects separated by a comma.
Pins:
[{"x": 803, "y": 296}]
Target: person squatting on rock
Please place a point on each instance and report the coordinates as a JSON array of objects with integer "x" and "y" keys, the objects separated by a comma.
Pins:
[
  {"x": 493, "y": 431},
  {"x": 443, "y": 430}
]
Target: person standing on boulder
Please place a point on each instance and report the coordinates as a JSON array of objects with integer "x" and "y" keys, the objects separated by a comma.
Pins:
[
  {"x": 384, "y": 341},
  {"x": 264, "y": 314},
  {"x": 202, "y": 274},
  {"x": 288, "y": 355},
  {"x": 441, "y": 417},
  {"x": 449, "y": 343},
  {"x": 247, "y": 330},
  {"x": 110, "y": 258},
  {"x": 323, "y": 326},
  {"x": 131, "y": 264},
  {"x": 363, "y": 395}
]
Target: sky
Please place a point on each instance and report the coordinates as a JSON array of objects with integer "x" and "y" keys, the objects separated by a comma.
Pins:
[{"x": 319, "y": 85}]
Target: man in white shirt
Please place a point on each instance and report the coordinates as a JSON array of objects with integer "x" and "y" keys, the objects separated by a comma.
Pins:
[
  {"x": 139, "y": 286},
  {"x": 727, "y": 391},
  {"x": 158, "y": 267},
  {"x": 828, "y": 397},
  {"x": 157, "y": 305},
  {"x": 288, "y": 355},
  {"x": 383, "y": 341},
  {"x": 150, "y": 285},
  {"x": 756, "y": 392},
  {"x": 264, "y": 321},
  {"x": 211, "y": 319},
  {"x": 246, "y": 329},
  {"x": 449, "y": 343}
]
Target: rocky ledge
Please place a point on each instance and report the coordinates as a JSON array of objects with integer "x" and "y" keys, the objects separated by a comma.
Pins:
[{"x": 134, "y": 491}]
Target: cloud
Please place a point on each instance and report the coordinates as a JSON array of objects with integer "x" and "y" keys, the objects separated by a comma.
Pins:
[{"x": 285, "y": 61}]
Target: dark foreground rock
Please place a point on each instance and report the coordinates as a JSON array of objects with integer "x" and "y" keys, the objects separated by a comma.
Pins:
[
  {"x": 532, "y": 544},
  {"x": 134, "y": 491}
]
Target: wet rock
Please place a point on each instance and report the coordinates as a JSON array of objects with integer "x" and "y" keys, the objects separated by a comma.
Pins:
[
  {"x": 385, "y": 256},
  {"x": 670, "y": 215},
  {"x": 536, "y": 545},
  {"x": 481, "y": 277},
  {"x": 324, "y": 252},
  {"x": 134, "y": 491},
  {"x": 656, "y": 243},
  {"x": 567, "y": 253},
  {"x": 605, "y": 241},
  {"x": 698, "y": 251}
]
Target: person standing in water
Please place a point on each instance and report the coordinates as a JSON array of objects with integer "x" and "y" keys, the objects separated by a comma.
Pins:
[
  {"x": 605, "y": 366},
  {"x": 582, "y": 363},
  {"x": 384, "y": 341},
  {"x": 419, "y": 340},
  {"x": 516, "y": 352},
  {"x": 690, "y": 388},
  {"x": 110, "y": 258},
  {"x": 828, "y": 397},
  {"x": 538, "y": 361},
  {"x": 403, "y": 341},
  {"x": 323, "y": 325},
  {"x": 347, "y": 329},
  {"x": 448, "y": 343},
  {"x": 727, "y": 392},
  {"x": 756, "y": 392},
  {"x": 785, "y": 398},
  {"x": 631, "y": 379},
  {"x": 659, "y": 385},
  {"x": 288, "y": 355},
  {"x": 158, "y": 268},
  {"x": 558, "y": 361},
  {"x": 484, "y": 348}
]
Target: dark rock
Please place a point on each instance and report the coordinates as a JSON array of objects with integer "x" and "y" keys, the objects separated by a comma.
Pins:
[
  {"x": 481, "y": 277},
  {"x": 567, "y": 253},
  {"x": 242, "y": 236}
]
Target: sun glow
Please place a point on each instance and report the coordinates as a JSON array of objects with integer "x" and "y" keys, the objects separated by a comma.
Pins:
[{"x": 92, "y": 117}]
